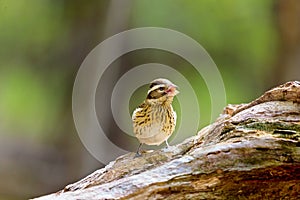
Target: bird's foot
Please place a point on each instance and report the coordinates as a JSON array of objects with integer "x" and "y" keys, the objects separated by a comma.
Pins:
[
  {"x": 169, "y": 149},
  {"x": 137, "y": 155}
]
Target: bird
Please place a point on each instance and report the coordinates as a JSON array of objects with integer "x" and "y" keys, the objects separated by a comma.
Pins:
[{"x": 154, "y": 120}]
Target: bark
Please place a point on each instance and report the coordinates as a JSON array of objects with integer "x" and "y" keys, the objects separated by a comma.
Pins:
[{"x": 250, "y": 152}]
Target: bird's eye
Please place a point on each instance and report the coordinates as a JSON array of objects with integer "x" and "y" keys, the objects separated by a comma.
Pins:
[{"x": 161, "y": 88}]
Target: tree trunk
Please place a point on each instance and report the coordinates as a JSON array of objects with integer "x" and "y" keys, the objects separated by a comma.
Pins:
[
  {"x": 288, "y": 24},
  {"x": 250, "y": 152}
]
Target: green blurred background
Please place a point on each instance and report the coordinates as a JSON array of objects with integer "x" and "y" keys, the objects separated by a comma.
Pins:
[{"x": 254, "y": 43}]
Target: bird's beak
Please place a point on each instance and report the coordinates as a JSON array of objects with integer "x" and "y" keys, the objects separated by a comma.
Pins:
[{"x": 172, "y": 90}]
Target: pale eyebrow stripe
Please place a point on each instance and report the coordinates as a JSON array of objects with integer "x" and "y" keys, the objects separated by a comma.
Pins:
[{"x": 155, "y": 88}]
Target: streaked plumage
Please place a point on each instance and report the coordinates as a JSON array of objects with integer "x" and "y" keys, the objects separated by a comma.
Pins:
[{"x": 154, "y": 120}]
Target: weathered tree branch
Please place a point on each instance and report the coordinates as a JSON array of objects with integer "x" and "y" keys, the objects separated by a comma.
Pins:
[{"x": 250, "y": 152}]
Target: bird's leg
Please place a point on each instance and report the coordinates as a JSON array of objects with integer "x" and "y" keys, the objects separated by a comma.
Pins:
[
  {"x": 138, "y": 154},
  {"x": 167, "y": 144}
]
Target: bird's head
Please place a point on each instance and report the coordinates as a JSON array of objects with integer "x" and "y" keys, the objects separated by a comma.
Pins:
[{"x": 161, "y": 91}]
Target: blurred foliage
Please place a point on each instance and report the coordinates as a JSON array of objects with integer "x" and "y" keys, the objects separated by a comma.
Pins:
[
  {"x": 239, "y": 35},
  {"x": 30, "y": 93},
  {"x": 28, "y": 104},
  {"x": 29, "y": 30}
]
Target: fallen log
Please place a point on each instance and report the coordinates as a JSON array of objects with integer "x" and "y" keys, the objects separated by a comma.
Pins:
[{"x": 250, "y": 152}]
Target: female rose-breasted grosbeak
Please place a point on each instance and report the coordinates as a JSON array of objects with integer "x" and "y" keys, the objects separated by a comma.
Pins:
[{"x": 154, "y": 120}]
